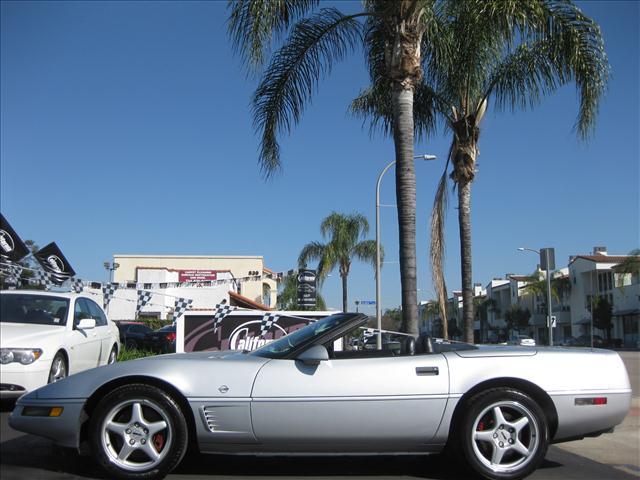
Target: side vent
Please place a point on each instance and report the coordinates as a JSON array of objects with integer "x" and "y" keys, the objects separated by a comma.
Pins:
[{"x": 210, "y": 418}]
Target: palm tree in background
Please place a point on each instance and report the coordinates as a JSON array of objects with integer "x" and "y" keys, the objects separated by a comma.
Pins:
[
  {"x": 392, "y": 35},
  {"x": 344, "y": 232},
  {"x": 505, "y": 54}
]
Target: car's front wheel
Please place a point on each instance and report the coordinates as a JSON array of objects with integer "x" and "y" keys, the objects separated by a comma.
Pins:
[
  {"x": 59, "y": 368},
  {"x": 113, "y": 355},
  {"x": 138, "y": 432},
  {"x": 504, "y": 434}
]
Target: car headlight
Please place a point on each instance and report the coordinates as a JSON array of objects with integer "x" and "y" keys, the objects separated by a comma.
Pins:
[{"x": 25, "y": 356}]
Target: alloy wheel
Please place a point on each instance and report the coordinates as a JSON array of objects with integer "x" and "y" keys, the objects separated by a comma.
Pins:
[
  {"x": 136, "y": 435},
  {"x": 58, "y": 369},
  {"x": 505, "y": 436}
]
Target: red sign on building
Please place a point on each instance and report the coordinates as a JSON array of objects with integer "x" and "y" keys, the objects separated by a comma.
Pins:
[{"x": 197, "y": 275}]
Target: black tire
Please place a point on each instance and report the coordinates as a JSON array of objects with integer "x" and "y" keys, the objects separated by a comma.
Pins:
[
  {"x": 131, "y": 344},
  {"x": 507, "y": 448},
  {"x": 59, "y": 368},
  {"x": 136, "y": 437},
  {"x": 113, "y": 355}
]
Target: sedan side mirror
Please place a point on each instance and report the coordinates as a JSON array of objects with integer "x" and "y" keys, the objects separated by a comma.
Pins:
[
  {"x": 86, "y": 324},
  {"x": 314, "y": 355}
]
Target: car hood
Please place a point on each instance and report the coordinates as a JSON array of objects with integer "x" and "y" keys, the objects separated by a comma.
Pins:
[
  {"x": 27, "y": 335},
  {"x": 198, "y": 374}
]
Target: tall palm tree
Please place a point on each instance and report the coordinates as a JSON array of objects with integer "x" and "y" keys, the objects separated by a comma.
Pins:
[
  {"x": 344, "y": 232},
  {"x": 505, "y": 54},
  {"x": 391, "y": 34}
]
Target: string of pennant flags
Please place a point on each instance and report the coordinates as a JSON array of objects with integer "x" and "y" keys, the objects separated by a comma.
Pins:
[{"x": 13, "y": 271}]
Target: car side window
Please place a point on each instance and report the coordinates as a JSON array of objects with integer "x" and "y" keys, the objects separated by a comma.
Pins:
[
  {"x": 80, "y": 311},
  {"x": 97, "y": 313}
]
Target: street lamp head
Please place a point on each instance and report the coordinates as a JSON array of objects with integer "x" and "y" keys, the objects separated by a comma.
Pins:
[
  {"x": 426, "y": 157},
  {"x": 521, "y": 249},
  {"x": 107, "y": 265}
]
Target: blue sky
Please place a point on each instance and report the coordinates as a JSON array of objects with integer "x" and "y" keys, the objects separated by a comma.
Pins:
[{"x": 126, "y": 128}]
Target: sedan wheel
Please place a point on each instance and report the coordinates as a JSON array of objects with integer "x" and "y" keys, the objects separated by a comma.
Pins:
[
  {"x": 113, "y": 356},
  {"x": 138, "y": 431},
  {"x": 58, "y": 369},
  {"x": 505, "y": 434}
]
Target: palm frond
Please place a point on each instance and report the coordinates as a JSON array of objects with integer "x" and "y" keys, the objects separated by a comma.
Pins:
[
  {"x": 374, "y": 106},
  {"x": 437, "y": 243},
  {"x": 310, "y": 252},
  {"x": 365, "y": 251},
  {"x": 252, "y": 25},
  {"x": 314, "y": 45}
]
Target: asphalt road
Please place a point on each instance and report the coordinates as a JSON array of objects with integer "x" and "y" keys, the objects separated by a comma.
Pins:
[{"x": 609, "y": 457}]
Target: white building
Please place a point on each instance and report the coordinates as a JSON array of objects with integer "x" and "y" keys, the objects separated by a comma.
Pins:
[
  {"x": 242, "y": 281},
  {"x": 593, "y": 276}
]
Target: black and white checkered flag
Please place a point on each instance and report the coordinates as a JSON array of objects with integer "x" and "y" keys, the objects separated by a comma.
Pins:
[
  {"x": 77, "y": 285},
  {"x": 222, "y": 310},
  {"x": 268, "y": 319},
  {"x": 144, "y": 297},
  {"x": 108, "y": 290},
  {"x": 12, "y": 271},
  {"x": 43, "y": 278},
  {"x": 181, "y": 306}
]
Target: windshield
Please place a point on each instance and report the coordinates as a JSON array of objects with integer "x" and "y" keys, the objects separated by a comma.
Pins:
[
  {"x": 35, "y": 309},
  {"x": 281, "y": 347}
]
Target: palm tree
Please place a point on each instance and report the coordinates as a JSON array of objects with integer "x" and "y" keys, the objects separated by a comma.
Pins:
[
  {"x": 508, "y": 54},
  {"x": 344, "y": 232},
  {"x": 391, "y": 34}
]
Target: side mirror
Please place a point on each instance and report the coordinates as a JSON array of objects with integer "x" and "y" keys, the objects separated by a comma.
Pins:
[
  {"x": 86, "y": 324},
  {"x": 314, "y": 355}
]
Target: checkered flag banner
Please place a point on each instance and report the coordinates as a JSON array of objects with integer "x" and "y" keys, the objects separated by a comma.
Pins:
[
  {"x": 43, "y": 278},
  {"x": 143, "y": 298},
  {"x": 222, "y": 310},
  {"x": 108, "y": 291},
  {"x": 12, "y": 271},
  {"x": 77, "y": 285},
  {"x": 268, "y": 319},
  {"x": 181, "y": 306}
]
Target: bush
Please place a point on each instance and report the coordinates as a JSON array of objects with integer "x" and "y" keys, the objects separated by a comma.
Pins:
[{"x": 133, "y": 353}]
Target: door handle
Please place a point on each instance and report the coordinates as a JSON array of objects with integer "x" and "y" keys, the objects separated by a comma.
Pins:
[{"x": 423, "y": 371}]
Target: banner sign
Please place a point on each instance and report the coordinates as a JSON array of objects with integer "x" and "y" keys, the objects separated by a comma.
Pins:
[
  {"x": 238, "y": 332},
  {"x": 193, "y": 276},
  {"x": 54, "y": 262},
  {"x": 11, "y": 246},
  {"x": 307, "y": 288}
]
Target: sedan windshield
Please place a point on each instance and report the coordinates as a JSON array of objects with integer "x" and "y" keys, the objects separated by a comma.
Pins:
[
  {"x": 284, "y": 345},
  {"x": 35, "y": 309}
]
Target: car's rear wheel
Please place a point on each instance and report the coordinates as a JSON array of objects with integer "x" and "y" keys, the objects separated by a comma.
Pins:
[
  {"x": 139, "y": 432},
  {"x": 504, "y": 434},
  {"x": 59, "y": 368},
  {"x": 131, "y": 344}
]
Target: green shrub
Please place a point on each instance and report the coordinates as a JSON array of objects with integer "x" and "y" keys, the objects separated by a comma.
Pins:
[{"x": 133, "y": 353}]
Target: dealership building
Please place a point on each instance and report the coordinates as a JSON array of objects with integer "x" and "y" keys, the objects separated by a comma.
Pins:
[{"x": 242, "y": 281}]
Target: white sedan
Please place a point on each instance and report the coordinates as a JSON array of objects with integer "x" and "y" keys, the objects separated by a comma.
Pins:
[{"x": 46, "y": 336}]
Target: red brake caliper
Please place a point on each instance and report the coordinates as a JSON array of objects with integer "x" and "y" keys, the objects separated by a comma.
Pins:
[{"x": 158, "y": 441}]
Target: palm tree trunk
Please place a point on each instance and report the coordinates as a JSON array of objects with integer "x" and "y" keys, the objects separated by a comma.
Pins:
[
  {"x": 406, "y": 202},
  {"x": 464, "y": 222},
  {"x": 344, "y": 294}
]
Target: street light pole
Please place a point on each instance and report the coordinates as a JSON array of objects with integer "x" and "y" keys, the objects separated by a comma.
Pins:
[
  {"x": 547, "y": 263},
  {"x": 378, "y": 281}
]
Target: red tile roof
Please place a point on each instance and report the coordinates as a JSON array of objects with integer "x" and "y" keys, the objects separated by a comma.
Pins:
[
  {"x": 244, "y": 302},
  {"x": 602, "y": 258}
]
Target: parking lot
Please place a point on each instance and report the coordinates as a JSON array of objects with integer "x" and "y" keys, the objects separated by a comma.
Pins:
[{"x": 609, "y": 457}]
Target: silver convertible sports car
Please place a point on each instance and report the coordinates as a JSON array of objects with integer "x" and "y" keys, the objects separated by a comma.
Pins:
[{"x": 498, "y": 408}]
